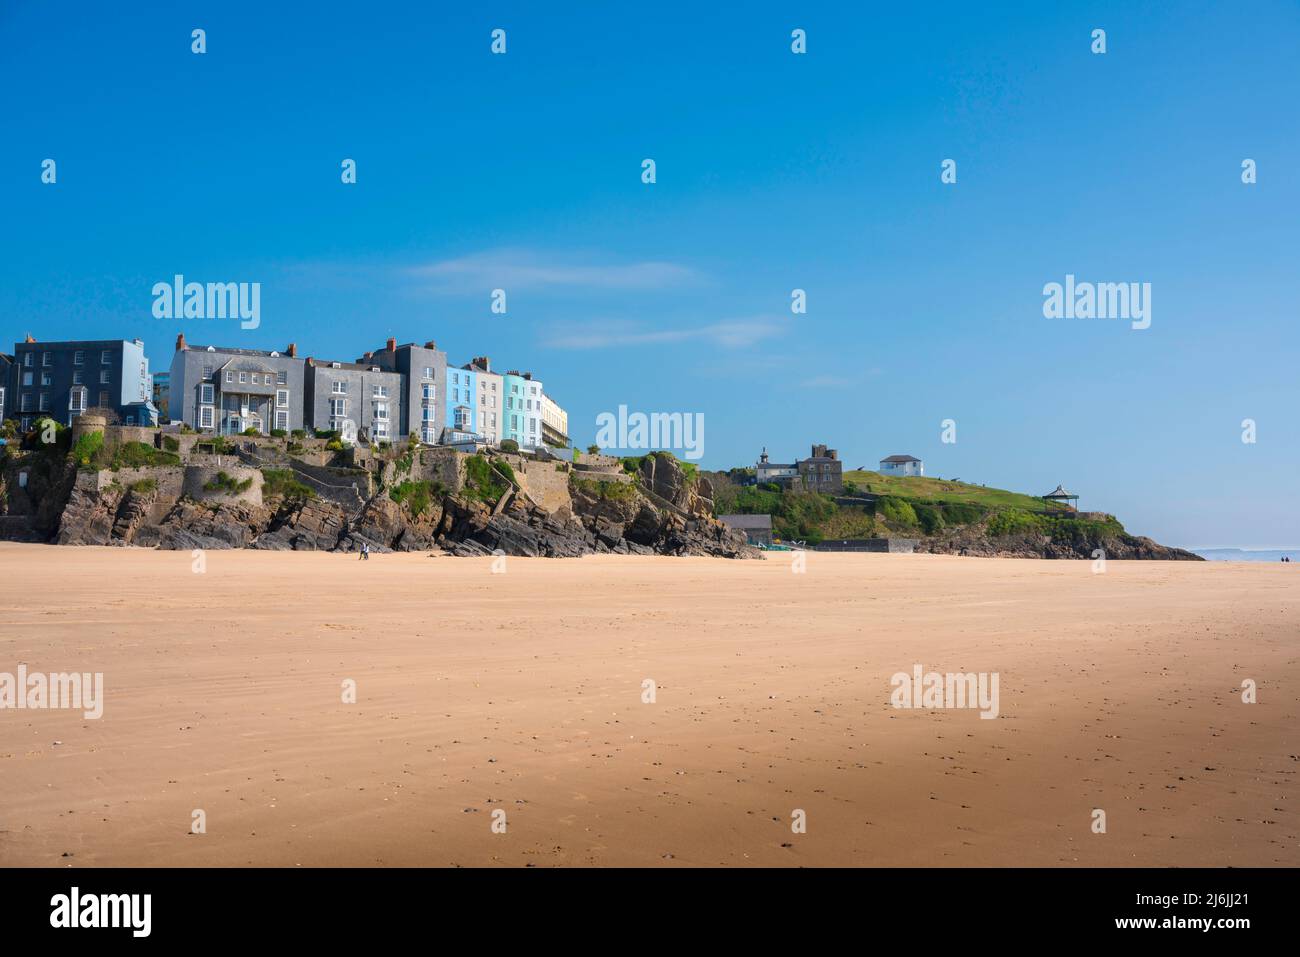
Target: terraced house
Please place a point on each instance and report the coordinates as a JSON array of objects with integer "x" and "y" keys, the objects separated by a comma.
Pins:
[
  {"x": 423, "y": 369},
  {"x": 61, "y": 380},
  {"x": 386, "y": 395},
  {"x": 522, "y": 417},
  {"x": 227, "y": 390},
  {"x": 353, "y": 399}
]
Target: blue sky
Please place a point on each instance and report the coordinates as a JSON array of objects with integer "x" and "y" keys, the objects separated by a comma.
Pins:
[{"x": 774, "y": 172}]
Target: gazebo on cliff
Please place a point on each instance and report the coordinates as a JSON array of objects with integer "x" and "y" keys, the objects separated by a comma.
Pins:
[{"x": 1062, "y": 497}]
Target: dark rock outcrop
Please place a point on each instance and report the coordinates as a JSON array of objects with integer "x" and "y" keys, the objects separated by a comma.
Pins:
[{"x": 975, "y": 542}]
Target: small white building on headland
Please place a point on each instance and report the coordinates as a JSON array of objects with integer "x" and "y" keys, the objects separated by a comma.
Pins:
[{"x": 902, "y": 465}]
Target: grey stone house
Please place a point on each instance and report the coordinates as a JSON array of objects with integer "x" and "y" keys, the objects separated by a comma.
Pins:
[
  {"x": 822, "y": 471},
  {"x": 227, "y": 390},
  {"x": 64, "y": 379},
  {"x": 354, "y": 399},
  {"x": 424, "y": 370}
]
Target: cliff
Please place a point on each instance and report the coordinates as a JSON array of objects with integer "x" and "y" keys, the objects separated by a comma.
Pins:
[{"x": 257, "y": 494}]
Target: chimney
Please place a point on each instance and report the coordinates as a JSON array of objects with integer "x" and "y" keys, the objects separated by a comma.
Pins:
[
  {"x": 29, "y": 338},
  {"x": 180, "y": 342},
  {"x": 369, "y": 356},
  {"x": 431, "y": 344},
  {"x": 391, "y": 346},
  {"x": 292, "y": 350}
]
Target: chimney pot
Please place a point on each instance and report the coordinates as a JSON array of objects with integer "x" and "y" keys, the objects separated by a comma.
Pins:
[
  {"x": 391, "y": 345},
  {"x": 292, "y": 350},
  {"x": 180, "y": 342}
]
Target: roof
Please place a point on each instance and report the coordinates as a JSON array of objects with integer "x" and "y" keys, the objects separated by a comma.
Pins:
[
  {"x": 1060, "y": 492},
  {"x": 901, "y": 458},
  {"x": 373, "y": 367},
  {"x": 758, "y": 522},
  {"x": 230, "y": 350}
]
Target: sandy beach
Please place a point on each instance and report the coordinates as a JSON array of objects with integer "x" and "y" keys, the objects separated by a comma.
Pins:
[{"x": 522, "y": 692}]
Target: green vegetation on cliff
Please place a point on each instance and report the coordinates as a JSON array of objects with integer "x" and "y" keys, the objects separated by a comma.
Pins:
[
  {"x": 417, "y": 495},
  {"x": 481, "y": 481},
  {"x": 908, "y": 507},
  {"x": 918, "y": 488},
  {"x": 228, "y": 484},
  {"x": 285, "y": 484},
  {"x": 610, "y": 491}
]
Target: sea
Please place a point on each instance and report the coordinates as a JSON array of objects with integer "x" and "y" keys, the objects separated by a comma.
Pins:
[{"x": 1248, "y": 554}]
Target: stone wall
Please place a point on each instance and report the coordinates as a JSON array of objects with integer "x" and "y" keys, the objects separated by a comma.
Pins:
[
  {"x": 547, "y": 484},
  {"x": 600, "y": 463},
  {"x": 197, "y": 476},
  {"x": 116, "y": 435},
  {"x": 170, "y": 480}
]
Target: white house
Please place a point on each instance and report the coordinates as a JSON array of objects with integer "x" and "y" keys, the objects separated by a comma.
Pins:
[
  {"x": 767, "y": 471},
  {"x": 902, "y": 465}
]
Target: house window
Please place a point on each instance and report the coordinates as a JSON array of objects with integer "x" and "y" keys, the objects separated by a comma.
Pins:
[
  {"x": 26, "y": 402},
  {"x": 381, "y": 410},
  {"x": 205, "y": 394},
  {"x": 243, "y": 377},
  {"x": 207, "y": 373},
  {"x": 78, "y": 358},
  {"x": 77, "y": 378},
  {"x": 428, "y": 372},
  {"x": 282, "y": 420},
  {"x": 205, "y": 417},
  {"x": 462, "y": 417},
  {"x": 338, "y": 408},
  {"x": 44, "y": 405},
  {"x": 380, "y": 391},
  {"x": 230, "y": 375},
  {"x": 282, "y": 398},
  {"x": 27, "y": 378},
  {"x": 27, "y": 359},
  {"x": 105, "y": 357},
  {"x": 2, "y": 398},
  {"x": 340, "y": 388},
  {"x": 429, "y": 394},
  {"x": 26, "y": 427},
  {"x": 282, "y": 377},
  {"x": 47, "y": 379},
  {"x": 104, "y": 377},
  {"x": 77, "y": 403},
  {"x": 103, "y": 398},
  {"x": 47, "y": 358}
]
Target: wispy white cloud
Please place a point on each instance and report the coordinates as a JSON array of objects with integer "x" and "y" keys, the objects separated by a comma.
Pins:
[
  {"x": 512, "y": 269},
  {"x": 728, "y": 334}
]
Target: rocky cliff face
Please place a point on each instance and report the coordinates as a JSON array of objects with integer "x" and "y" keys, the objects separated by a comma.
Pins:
[
  {"x": 671, "y": 516},
  {"x": 976, "y": 542}
]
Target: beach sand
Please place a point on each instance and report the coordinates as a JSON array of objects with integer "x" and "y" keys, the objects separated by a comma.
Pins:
[{"x": 522, "y": 692}]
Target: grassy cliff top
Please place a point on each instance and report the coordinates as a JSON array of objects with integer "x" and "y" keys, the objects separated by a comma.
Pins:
[{"x": 921, "y": 488}]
